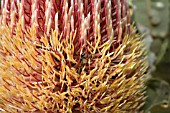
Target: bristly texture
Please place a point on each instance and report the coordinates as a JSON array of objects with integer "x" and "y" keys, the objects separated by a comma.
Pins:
[{"x": 70, "y": 56}]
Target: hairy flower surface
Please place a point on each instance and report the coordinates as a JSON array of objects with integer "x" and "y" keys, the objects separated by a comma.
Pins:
[{"x": 70, "y": 56}]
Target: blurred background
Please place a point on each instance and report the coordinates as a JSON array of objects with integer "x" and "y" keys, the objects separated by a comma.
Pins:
[{"x": 152, "y": 18}]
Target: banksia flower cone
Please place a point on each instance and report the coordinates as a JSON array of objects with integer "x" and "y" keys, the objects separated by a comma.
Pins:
[{"x": 70, "y": 56}]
